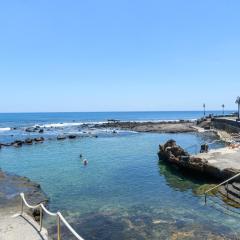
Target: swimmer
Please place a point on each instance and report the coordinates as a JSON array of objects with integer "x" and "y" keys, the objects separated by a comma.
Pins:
[
  {"x": 85, "y": 162},
  {"x": 81, "y": 156}
]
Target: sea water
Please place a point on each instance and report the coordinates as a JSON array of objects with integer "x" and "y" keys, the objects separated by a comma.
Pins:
[{"x": 123, "y": 192}]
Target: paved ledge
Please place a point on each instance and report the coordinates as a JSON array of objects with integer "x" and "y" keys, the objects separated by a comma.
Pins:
[
  {"x": 15, "y": 227},
  {"x": 223, "y": 158}
]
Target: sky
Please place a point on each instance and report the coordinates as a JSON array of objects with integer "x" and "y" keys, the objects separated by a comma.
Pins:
[{"x": 121, "y": 55}]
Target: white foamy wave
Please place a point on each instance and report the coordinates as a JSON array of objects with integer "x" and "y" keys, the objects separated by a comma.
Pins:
[
  {"x": 5, "y": 129},
  {"x": 59, "y": 125},
  {"x": 62, "y": 125}
]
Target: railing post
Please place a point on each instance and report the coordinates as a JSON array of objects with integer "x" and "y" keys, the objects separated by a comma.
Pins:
[
  {"x": 58, "y": 228},
  {"x": 41, "y": 218},
  {"x": 227, "y": 189},
  {"x": 21, "y": 206}
]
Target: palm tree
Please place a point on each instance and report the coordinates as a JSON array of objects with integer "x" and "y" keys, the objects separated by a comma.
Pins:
[
  {"x": 204, "y": 109},
  {"x": 223, "y": 106},
  {"x": 238, "y": 103}
]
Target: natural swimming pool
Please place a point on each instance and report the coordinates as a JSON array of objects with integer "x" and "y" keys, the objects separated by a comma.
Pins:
[{"x": 123, "y": 193}]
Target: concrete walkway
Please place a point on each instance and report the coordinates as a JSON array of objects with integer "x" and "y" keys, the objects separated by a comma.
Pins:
[
  {"x": 223, "y": 158},
  {"x": 16, "y": 227}
]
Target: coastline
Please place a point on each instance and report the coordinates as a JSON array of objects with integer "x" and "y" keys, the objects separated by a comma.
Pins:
[
  {"x": 11, "y": 187},
  {"x": 35, "y": 135},
  {"x": 180, "y": 126},
  {"x": 151, "y": 127}
]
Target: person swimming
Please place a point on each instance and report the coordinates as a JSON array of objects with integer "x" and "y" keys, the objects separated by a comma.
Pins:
[{"x": 85, "y": 162}]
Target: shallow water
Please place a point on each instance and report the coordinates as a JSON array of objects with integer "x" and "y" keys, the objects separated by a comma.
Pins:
[{"x": 123, "y": 193}]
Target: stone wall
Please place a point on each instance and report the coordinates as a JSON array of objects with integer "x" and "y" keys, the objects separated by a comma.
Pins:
[{"x": 226, "y": 125}]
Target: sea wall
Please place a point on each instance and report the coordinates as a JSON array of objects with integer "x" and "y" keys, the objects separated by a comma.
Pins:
[{"x": 226, "y": 125}]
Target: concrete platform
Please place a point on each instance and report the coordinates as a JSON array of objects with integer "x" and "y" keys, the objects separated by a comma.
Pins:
[
  {"x": 223, "y": 158},
  {"x": 15, "y": 227}
]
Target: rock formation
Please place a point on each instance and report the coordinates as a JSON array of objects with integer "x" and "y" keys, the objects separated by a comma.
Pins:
[{"x": 171, "y": 153}]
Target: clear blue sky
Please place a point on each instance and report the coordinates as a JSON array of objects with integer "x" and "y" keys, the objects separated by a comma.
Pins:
[{"x": 119, "y": 55}]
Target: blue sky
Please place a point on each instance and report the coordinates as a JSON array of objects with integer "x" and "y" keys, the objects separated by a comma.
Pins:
[{"x": 118, "y": 55}]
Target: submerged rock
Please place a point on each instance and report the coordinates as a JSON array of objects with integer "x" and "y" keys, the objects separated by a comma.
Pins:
[
  {"x": 29, "y": 141},
  {"x": 31, "y": 129},
  {"x": 203, "y": 188},
  {"x": 72, "y": 136},
  {"x": 62, "y": 137},
  {"x": 17, "y": 143},
  {"x": 39, "y": 139}
]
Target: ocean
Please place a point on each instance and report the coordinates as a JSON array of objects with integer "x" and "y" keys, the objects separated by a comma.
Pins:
[{"x": 123, "y": 192}]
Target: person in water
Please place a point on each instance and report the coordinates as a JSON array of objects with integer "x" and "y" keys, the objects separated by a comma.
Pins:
[{"x": 85, "y": 161}]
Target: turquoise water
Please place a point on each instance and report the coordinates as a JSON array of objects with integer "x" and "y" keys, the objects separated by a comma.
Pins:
[{"x": 123, "y": 193}]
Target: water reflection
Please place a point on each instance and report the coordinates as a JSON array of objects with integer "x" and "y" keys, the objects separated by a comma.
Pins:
[{"x": 183, "y": 180}]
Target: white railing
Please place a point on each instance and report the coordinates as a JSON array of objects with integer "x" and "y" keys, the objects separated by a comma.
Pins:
[{"x": 58, "y": 215}]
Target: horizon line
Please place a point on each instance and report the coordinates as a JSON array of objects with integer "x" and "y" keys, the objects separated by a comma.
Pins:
[{"x": 212, "y": 110}]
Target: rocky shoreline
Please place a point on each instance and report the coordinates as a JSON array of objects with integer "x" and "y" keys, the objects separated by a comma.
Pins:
[
  {"x": 150, "y": 126},
  {"x": 182, "y": 126},
  {"x": 10, "y": 188}
]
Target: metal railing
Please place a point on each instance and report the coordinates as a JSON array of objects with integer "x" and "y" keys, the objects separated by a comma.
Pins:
[
  {"x": 58, "y": 215},
  {"x": 219, "y": 185}
]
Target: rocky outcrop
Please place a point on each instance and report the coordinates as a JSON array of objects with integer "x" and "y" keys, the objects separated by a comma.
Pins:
[
  {"x": 61, "y": 137},
  {"x": 173, "y": 154},
  {"x": 72, "y": 136},
  {"x": 20, "y": 143},
  {"x": 39, "y": 139},
  {"x": 28, "y": 141},
  {"x": 151, "y": 126},
  {"x": 17, "y": 143},
  {"x": 13, "y": 185},
  {"x": 31, "y": 129}
]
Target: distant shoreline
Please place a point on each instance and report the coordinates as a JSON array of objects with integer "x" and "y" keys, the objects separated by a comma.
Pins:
[{"x": 178, "y": 126}]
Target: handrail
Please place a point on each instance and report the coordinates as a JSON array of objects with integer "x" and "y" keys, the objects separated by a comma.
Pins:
[
  {"x": 48, "y": 212},
  {"x": 57, "y": 214},
  {"x": 69, "y": 226},
  {"x": 226, "y": 181},
  {"x": 28, "y": 205}
]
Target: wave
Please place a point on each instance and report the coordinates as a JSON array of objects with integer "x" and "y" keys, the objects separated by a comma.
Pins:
[
  {"x": 5, "y": 129},
  {"x": 72, "y": 124}
]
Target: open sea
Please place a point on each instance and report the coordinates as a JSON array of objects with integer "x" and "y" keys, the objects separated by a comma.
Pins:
[{"x": 123, "y": 192}]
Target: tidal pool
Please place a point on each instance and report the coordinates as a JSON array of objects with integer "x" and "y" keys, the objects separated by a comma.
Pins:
[{"x": 123, "y": 193}]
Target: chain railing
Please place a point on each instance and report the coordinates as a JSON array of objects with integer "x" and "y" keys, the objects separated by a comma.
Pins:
[{"x": 58, "y": 215}]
